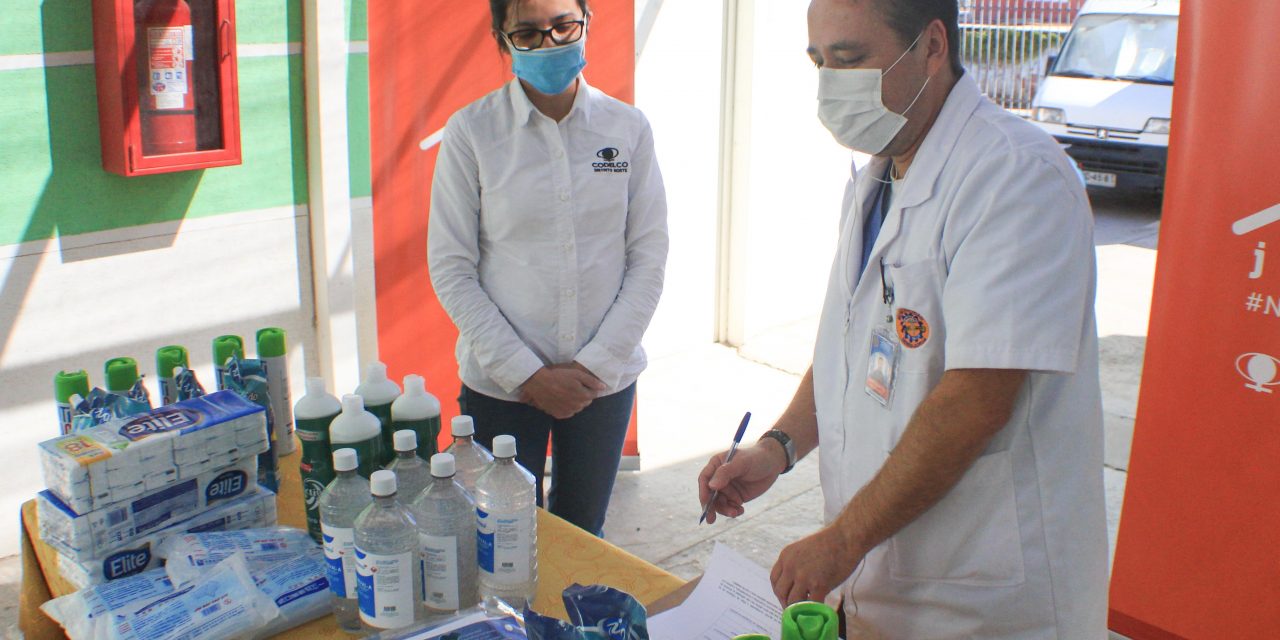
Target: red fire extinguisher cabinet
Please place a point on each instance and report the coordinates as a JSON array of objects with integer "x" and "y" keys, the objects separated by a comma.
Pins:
[{"x": 167, "y": 87}]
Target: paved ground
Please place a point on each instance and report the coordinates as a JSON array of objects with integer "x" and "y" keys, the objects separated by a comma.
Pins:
[{"x": 691, "y": 401}]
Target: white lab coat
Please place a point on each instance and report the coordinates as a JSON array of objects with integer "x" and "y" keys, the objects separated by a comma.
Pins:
[{"x": 989, "y": 240}]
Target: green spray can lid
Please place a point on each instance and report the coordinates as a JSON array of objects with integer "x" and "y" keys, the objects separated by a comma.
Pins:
[
  {"x": 170, "y": 357},
  {"x": 69, "y": 383},
  {"x": 270, "y": 342},
  {"x": 809, "y": 621},
  {"x": 122, "y": 373},
  {"x": 753, "y": 636},
  {"x": 226, "y": 346}
]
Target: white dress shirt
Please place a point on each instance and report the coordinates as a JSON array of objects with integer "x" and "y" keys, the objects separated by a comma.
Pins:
[{"x": 547, "y": 241}]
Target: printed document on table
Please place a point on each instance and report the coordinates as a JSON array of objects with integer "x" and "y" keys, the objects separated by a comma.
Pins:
[{"x": 733, "y": 598}]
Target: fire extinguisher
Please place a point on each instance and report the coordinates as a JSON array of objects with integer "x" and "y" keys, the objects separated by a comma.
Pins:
[{"x": 166, "y": 85}]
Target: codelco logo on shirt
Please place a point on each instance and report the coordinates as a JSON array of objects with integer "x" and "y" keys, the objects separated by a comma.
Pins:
[{"x": 609, "y": 155}]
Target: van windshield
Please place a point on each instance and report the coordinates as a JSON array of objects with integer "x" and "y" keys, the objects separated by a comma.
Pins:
[{"x": 1138, "y": 48}]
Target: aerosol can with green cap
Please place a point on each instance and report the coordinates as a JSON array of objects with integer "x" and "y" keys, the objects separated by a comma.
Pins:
[
  {"x": 225, "y": 347},
  {"x": 271, "y": 351},
  {"x": 379, "y": 392},
  {"x": 314, "y": 413},
  {"x": 123, "y": 380},
  {"x": 809, "y": 621},
  {"x": 167, "y": 360},
  {"x": 358, "y": 429},
  {"x": 417, "y": 411},
  {"x": 65, "y": 385}
]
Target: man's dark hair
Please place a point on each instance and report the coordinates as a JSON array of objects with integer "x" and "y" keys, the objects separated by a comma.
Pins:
[
  {"x": 500, "y": 9},
  {"x": 908, "y": 18}
]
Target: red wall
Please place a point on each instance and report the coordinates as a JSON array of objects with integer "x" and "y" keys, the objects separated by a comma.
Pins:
[
  {"x": 427, "y": 59},
  {"x": 1199, "y": 548}
]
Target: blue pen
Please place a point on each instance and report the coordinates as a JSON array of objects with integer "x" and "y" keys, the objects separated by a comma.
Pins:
[{"x": 733, "y": 448}]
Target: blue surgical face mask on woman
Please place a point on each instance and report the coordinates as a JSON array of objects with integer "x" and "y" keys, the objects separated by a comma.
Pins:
[{"x": 550, "y": 70}]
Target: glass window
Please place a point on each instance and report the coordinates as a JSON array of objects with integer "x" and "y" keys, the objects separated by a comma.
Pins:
[{"x": 1139, "y": 48}]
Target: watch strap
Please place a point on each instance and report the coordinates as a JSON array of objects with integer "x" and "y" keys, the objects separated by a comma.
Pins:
[{"x": 788, "y": 447}]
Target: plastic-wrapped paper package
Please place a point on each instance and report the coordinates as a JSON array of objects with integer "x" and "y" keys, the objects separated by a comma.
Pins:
[
  {"x": 299, "y": 588},
  {"x": 186, "y": 556},
  {"x": 85, "y": 614},
  {"x": 223, "y": 602},
  {"x": 596, "y": 612}
]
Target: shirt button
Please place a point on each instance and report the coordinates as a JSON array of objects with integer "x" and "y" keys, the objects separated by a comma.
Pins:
[
  {"x": 568, "y": 293},
  {"x": 566, "y": 337},
  {"x": 564, "y": 196},
  {"x": 559, "y": 153}
]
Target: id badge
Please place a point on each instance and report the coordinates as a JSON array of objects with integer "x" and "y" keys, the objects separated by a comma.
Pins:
[{"x": 882, "y": 363}]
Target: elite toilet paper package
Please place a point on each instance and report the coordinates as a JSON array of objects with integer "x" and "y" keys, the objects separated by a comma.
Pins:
[
  {"x": 127, "y": 458},
  {"x": 89, "y": 535},
  {"x": 251, "y": 511}
]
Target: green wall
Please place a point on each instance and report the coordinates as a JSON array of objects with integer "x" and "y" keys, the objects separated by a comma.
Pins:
[{"x": 50, "y": 158}]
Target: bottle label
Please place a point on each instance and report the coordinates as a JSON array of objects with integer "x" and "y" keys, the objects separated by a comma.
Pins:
[
  {"x": 314, "y": 429},
  {"x": 504, "y": 544},
  {"x": 339, "y": 556},
  {"x": 314, "y": 480},
  {"x": 385, "y": 586},
  {"x": 440, "y": 571}
]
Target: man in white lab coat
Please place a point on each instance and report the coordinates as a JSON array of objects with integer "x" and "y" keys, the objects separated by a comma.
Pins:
[{"x": 962, "y": 487}]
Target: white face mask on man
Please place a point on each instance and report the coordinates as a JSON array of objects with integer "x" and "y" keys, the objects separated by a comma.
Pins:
[{"x": 852, "y": 108}]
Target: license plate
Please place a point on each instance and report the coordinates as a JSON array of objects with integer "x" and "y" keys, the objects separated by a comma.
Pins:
[{"x": 1099, "y": 179}]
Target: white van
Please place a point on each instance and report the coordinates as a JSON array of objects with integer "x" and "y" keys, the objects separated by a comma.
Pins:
[{"x": 1107, "y": 97}]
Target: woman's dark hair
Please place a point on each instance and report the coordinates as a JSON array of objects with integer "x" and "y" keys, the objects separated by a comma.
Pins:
[
  {"x": 908, "y": 18},
  {"x": 500, "y": 9}
]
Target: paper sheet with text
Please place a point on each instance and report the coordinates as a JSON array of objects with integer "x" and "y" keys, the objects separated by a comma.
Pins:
[{"x": 733, "y": 598}]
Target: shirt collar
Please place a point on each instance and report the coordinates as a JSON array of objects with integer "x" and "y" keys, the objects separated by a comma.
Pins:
[
  {"x": 524, "y": 108},
  {"x": 939, "y": 142}
]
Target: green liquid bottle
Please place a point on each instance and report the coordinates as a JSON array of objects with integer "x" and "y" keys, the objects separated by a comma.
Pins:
[
  {"x": 419, "y": 412},
  {"x": 378, "y": 393},
  {"x": 358, "y": 429},
  {"x": 314, "y": 414}
]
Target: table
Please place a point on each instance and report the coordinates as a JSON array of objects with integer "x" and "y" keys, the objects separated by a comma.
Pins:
[{"x": 566, "y": 554}]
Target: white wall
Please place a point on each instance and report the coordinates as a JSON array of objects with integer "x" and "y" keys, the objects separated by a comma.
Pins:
[{"x": 127, "y": 292}]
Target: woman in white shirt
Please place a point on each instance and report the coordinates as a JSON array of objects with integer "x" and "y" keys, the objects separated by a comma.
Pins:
[{"x": 546, "y": 245}]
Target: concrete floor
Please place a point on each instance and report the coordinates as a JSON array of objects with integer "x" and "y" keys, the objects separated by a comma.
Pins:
[{"x": 691, "y": 401}]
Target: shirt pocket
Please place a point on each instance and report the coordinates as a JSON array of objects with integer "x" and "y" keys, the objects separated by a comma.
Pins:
[
  {"x": 602, "y": 179},
  {"x": 970, "y": 537},
  {"x": 917, "y": 314}
]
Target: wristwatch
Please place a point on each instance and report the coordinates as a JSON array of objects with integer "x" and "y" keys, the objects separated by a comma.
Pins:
[{"x": 788, "y": 447}]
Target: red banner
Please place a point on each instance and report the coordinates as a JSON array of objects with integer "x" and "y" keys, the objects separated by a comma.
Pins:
[
  {"x": 1198, "y": 554},
  {"x": 427, "y": 60}
]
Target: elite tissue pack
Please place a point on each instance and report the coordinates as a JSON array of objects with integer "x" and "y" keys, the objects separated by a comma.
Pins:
[
  {"x": 126, "y": 458},
  {"x": 251, "y": 511},
  {"x": 89, "y": 535}
]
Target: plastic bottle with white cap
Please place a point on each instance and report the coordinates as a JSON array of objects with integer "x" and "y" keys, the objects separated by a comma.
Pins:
[
  {"x": 388, "y": 572},
  {"x": 507, "y": 529},
  {"x": 359, "y": 430},
  {"x": 446, "y": 517},
  {"x": 470, "y": 457},
  {"x": 379, "y": 392},
  {"x": 420, "y": 411},
  {"x": 340, "y": 504},
  {"x": 412, "y": 473}
]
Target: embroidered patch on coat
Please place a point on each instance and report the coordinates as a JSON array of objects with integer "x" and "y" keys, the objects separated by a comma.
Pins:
[{"x": 913, "y": 329}]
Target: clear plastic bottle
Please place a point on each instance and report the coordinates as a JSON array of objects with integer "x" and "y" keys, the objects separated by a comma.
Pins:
[
  {"x": 420, "y": 411},
  {"x": 470, "y": 458},
  {"x": 388, "y": 573},
  {"x": 412, "y": 473},
  {"x": 507, "y": 527},
  {"x": 340, "y": 504},
  {"x": 447, "y": 536},
  {"x": 358, "y": 429},
  {"x": 379, "y": 392}
]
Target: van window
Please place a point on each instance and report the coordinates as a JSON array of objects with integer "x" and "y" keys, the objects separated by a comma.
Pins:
[{"x": 1139, "y": 48}]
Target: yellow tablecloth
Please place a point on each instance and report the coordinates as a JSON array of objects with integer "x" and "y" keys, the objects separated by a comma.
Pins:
[{"x": 566, "y": 555}]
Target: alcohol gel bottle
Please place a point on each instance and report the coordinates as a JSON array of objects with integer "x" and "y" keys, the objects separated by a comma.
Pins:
[
  {"x": 447, "y": 535},
  {"x": 271, "y": 351},
  {"x": 378, "y": 393},
  {"x": 225, "y": 347},
  {"x": 358, "y": 429},
  {"x": 507, "y": 528},
  {"x": 412, "y": 473},
  {"x": 420, "y": 411},
  {"x": 388, "y": 573},
  {"x": 314, "y": 412},
  {"x": 340, "y": 504},
  {"x": 65, "y": 385},
  {"x": 167, "y": 360},
  {"x": 470, "y": 457}
]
